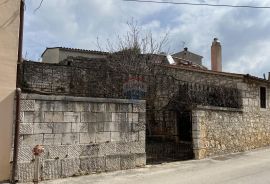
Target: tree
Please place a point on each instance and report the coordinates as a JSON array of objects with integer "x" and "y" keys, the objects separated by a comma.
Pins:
[
  {"x": 137, "y": 54},
  {"x": 137, "y": 51}
]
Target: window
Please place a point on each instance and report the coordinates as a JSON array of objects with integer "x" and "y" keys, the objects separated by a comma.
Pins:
[{"x": 263, "y": 97}]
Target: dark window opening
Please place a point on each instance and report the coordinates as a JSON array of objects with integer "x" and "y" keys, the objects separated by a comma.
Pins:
[{"x": 263, "y": 97}]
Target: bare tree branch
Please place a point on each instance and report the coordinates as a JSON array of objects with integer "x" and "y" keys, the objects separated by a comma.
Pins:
[
  {"x": 39, "y": 6},
  {"x": 98, "y": 44}
]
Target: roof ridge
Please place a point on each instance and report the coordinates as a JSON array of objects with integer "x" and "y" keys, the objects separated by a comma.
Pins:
[{"x": 78, "y": 49}]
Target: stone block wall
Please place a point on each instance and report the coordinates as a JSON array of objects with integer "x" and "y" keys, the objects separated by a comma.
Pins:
[
  {"x": 81, "y": 135},
  {"x": 218, "y": 131}
]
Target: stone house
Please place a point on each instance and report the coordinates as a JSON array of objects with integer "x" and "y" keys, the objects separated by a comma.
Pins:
[{"x": 77, "y": 109}]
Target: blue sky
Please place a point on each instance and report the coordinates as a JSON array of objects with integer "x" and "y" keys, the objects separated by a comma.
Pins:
[{"x": 244, "y": 33}]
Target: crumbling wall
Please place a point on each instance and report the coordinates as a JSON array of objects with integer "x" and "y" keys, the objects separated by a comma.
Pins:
[{"x": 81, "y": 135}]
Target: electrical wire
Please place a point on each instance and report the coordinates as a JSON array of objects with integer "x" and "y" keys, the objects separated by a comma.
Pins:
[{"x": 199, "y": 4}]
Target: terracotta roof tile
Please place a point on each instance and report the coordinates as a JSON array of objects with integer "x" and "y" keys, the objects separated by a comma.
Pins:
[{"x": 77, "y": 50}]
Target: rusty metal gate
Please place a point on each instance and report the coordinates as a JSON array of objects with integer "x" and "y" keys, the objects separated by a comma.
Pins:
[{"x": 158, "y": 152}]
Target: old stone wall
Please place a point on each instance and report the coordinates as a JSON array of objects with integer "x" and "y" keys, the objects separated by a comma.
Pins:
[
  {"x": 80, "y": 75},
  {"x": 204, "y": 76},
  {"x": 90, "y": 77},
  {"x": 219, "y": 131},
  {"x": 211, "y": 126},
  {"x": 197, "y": 84},
  {"x": 81, "y": 135}
]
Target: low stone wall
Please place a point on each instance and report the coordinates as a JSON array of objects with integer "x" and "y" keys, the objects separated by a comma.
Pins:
[
  {"x": 218, "y": 131},
  {"x": 80, "y": 135}
]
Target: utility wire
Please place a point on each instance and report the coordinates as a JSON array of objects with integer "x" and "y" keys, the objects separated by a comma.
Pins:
[{"x": 198, "y": 4}]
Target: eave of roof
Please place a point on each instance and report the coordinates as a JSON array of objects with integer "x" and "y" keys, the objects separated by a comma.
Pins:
[
  {"x": 235, "y": 75},
  {"x": 248, "y": 76},
  {"x": 76, "y": 50},
  {"x": 196, "y": 69}
]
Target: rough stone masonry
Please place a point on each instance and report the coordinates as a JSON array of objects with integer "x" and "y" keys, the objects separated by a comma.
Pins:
[
  {"x": 81, "y": 135},
  {"x": 218, "y": 130}
]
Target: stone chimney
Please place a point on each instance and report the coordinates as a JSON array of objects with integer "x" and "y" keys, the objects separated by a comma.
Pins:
[{"x": 216, "y": 58}]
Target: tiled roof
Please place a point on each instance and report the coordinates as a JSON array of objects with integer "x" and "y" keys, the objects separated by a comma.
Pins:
[
  {"x": 248, "y": 76},
  {"x": 196, "y": 69},
  {"x": 77, "y": 50}
]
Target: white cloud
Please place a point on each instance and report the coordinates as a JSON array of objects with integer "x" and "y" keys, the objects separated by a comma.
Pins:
[
  {"x": 77, "y": 23},
  {"x": 254, "y": 58},
  {"x": 243, "y": 32}
]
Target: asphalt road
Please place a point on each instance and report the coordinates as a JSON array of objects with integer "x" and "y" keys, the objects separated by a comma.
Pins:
[{"x": 242, "y": 168}]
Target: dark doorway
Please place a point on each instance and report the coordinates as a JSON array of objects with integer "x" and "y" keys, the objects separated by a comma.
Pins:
[
  {"x": 184, "y": 126},
  {"x": 174, "y": 145}
]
